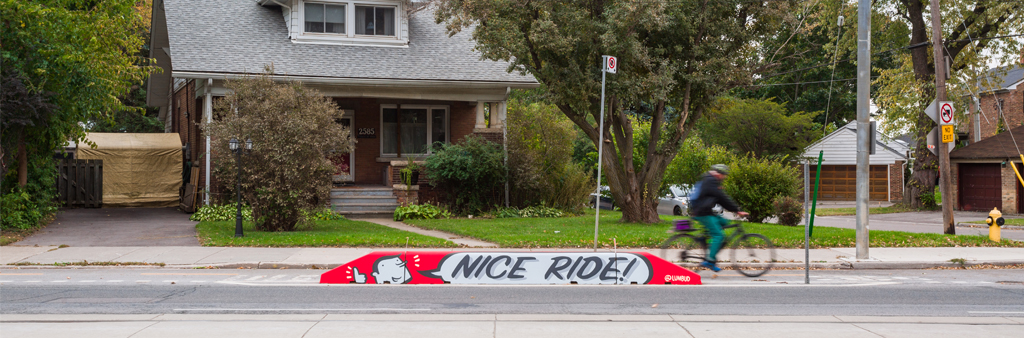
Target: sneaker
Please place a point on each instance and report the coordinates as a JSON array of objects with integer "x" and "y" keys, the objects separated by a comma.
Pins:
[{"x": 710, "y": 266}]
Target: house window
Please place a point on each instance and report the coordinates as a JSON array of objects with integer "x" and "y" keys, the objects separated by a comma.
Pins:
[
  {"x": 414, "y": 128},
  {"x": 324, "y": 18},
  {"x": 375, "y": 20}
]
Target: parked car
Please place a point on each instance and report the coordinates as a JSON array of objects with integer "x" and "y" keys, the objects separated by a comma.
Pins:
[
  {"x": 607, "y": 203},
  {"x": 676, "y": 201}
]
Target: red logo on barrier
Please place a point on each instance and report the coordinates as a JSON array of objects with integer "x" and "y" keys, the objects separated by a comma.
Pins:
[{"x": 437, "y": 267}]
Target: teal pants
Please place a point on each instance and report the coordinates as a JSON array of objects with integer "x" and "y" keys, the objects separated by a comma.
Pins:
[{"x": 713, "y": 225}]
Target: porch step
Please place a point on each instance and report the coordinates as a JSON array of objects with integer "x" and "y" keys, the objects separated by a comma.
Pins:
[
  {"x": 364, "y": 199},
  {"x": 361, "y": 191},
  {"x": 364, "y": 207}
]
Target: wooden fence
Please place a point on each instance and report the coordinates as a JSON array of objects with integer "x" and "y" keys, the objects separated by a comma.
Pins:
[{"x": 80, "y": 183}]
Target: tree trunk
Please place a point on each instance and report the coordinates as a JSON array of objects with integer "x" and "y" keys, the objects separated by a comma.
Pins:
[
  {"x": 22, "y": 162},
  {"x": 926, "y": 164}
]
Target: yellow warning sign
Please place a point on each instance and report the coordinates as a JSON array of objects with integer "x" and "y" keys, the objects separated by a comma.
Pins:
[{"x": 947, "y": 134}]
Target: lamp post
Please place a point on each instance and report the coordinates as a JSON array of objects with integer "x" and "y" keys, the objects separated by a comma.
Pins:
[{"x": 235, "y": 147}]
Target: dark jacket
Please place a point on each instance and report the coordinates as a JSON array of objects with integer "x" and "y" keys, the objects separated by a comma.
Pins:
[{"x": 711, "y": 194}]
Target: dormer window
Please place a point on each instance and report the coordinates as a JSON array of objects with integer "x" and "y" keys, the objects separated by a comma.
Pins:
[
  {"x": 375, "y": 20},
  {"x": 346, "y": 22},
  {"x": 324, "y": 18}
]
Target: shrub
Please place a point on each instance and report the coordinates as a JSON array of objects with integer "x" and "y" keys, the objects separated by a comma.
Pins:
[
  {"x": 222, "y": 212},
  {"x": 470, "y": 173},
  {"x": 28, "y": 207},
  {"x": 228, "y": 212},
  {"x": 540, "y": 159},
  {"x": 421, "y": 211},
  {"x": 754, "y": 183},
  {"x": 293, "y": 129},
  {"x": 789, "y": 210},
  {"x": 533, "y": 211}
]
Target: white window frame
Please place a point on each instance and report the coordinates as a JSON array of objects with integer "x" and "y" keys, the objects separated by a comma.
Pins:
[
  {"x": 430, "y": 126},
  {"x": 302, "y": 15},
  {"x": 350, "y": 37}
]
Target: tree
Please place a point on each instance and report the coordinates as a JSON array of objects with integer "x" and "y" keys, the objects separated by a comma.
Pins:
[
  {"x": 293, "y": 130},
  {"x": 759, "y": 127},
  {"x": 971, "y": 29},
  {"x": 674, "y": 57},
  {"x": 813, "y": 67},
  {"x": 71, "y": 60}
]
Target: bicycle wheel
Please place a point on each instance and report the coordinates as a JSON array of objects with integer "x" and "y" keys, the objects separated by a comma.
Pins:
[
  {"x": 692, "y": 250},
  {"x": 753, "y": 255}
]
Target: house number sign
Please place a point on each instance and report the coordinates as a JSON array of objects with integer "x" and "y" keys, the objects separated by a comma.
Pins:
[{"x": 366, "y": 133}]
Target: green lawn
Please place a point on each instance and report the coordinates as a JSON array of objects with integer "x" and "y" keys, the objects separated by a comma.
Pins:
[
  {"x": 341, "y": 233},
  {"x": 853, "y": 211},
  {"x": 578, "y": 232},
  {"x": 1007, "y": 221}
]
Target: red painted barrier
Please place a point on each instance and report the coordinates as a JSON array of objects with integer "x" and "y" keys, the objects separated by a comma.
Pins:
[{"x": 469, "y": 267}]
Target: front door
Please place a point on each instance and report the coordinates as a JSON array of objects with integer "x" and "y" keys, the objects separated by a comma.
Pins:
[{"x": 344, "y": 170}]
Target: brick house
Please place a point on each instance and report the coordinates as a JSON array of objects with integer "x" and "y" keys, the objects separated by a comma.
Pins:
[
  {"x": 402, "y": 82},
  {"x": 1001, "y": 96},
  {"x": 982, "y": 172},
  {"x": 839, "y": 167}
]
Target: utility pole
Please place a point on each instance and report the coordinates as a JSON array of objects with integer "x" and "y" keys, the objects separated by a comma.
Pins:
[
  {"x": 863, "y": 123},
  {"x": 940, "y": 95}
]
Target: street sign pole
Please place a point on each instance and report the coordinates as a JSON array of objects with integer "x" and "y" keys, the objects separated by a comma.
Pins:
[
  {"x": 609, "y": 64},
  {"x": 940, "y": 96},
  {"x": 863, "y": 123}
]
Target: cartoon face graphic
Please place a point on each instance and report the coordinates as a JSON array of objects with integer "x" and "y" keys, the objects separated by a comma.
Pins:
[{"x": 391, "y": 269}]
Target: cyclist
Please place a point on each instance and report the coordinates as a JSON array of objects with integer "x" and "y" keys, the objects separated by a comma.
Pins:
[{"x": 710, "y": 194}]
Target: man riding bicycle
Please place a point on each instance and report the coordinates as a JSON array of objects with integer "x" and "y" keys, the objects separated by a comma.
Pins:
[{"x": 709, "y": 194}]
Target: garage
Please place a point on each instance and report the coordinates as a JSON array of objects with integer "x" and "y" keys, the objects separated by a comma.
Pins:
[
  {"x": 839, "y": 166},
  {"x": 839, "y": 183},
  {"x": 980, "y": 186}
]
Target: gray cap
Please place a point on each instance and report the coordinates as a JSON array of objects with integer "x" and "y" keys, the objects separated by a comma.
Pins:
[{"x": 721, "y": 168}]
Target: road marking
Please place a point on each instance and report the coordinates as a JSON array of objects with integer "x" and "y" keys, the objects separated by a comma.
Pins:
[
  {"x": 86, "y": 281},
  {"x": 142, "y": 281},
  {"x": 933, "y": 282},
  {"x": 20, "y": 274},
  {"x": 33, "y": 281},
  {"x": 59, "y": 281},
  {"x": 6, "y": 281},
  {"x": 280, "y": 310},
  {"x": 187, "y": 274},
  {"x": 198, "y": 281},
  {"x": 998, "y": 312}
]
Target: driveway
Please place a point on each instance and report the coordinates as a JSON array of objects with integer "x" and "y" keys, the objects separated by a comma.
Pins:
[
  {"x": 117, "y": 227},
  {"x": 921, "y": 221}
]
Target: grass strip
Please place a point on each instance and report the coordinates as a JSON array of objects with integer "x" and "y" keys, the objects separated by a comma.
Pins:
[
  {"x": 339, "y": 233},
  {"x": 853, "y": 211},
  {"x": 578, "y": 232}
]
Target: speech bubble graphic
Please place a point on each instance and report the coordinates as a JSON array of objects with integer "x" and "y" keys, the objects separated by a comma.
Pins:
[{"x": 516, "y": 268}]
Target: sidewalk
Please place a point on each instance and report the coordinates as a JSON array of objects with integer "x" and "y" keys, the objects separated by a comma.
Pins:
[
  {"x": 323, "y": 258},
  {"x": 504, "y": 325}
]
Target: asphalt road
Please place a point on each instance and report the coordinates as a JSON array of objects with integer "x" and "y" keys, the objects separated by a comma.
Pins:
[{"x": 832, "y": 292}]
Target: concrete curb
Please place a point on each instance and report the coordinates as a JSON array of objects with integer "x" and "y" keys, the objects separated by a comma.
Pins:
[{"x": 692, "y": 266}]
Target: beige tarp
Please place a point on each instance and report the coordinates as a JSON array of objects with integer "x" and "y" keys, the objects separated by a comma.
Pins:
[{"x": 139, "y": 170}]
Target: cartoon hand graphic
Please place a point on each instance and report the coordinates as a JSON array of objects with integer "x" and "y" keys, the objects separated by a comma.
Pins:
[{"x": 359, "y": 277}]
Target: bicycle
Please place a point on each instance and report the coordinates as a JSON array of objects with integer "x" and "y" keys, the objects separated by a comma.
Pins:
[{"x": 748, "y": 246}]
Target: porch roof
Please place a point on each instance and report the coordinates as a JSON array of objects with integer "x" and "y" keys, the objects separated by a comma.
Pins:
[{"x": 226, "y": 38}]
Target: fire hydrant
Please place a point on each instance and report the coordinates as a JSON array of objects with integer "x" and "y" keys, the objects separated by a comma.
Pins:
[{"x": 994, "y": 221}]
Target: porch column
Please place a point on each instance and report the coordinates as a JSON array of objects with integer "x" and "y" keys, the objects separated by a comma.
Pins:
[
  {"x": 480, "y": 121},
  {"x": 497, "y": 114},
  {"x": 208, "y": 111}
]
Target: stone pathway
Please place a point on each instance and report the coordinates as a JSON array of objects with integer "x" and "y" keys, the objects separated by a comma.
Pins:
[{"x": 464, "y": 241}]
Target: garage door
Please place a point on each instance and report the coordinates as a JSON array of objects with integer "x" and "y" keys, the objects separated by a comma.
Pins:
[
  {"x": 980, "y": 186},
  {"x": 839, "y": 183}
]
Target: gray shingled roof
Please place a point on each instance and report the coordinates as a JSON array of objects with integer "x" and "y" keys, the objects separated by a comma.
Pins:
[
  {"x": 239, "y": 36},
  {"x": 1002, "y": 77}
]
